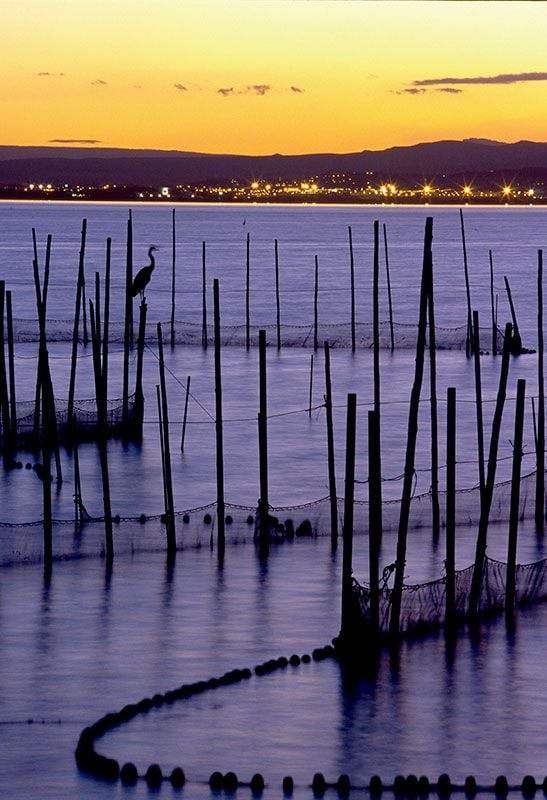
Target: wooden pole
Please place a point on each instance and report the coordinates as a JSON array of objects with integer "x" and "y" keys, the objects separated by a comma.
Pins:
[
  {"x": 478, "y": 402},
  {"x": 516, "y": 342},
  {"x": 374, "y": 520},
  {"x": 492, "y": 308},
  {"x": 218, "y": 425},
  {"x": 46, "y": 479},
  {"x": 514, "y": 508},
  {"x": 170, "y": 516},
  {"x": 352, "y": 288},
  {"x": 185, "y": 417},
  {"x": 347, "y": 556},
  {"x": 11, "y": 368},
  {"x": 480, "y": 552},
  {"x": 389, "y": 300},
  {"x": 277, "y": 301},
  {"x": 77, "y": 310},
  {"x": 330, "y": 452},
  {"x": 376, "y": 359},
  {"x": 397, "y": 593},
  {"x": 264, "y": 503},
  {"x": 311, "y": 387},
  {"x": 162, "y": 452},
  {"x": 128, "y": 322},
  {"x": 315, "y": 306},
  {"x": 78, "y": 504},
  {"x": 540, "y": 447},
  {"x": 469, "y": 334},
  {"x": 106, "y": 327},
  {"x": 204, "y": 299},
  {"x": 173, "y": 263},
  {"x": 4, "y": 399},
  {"x": 248, "y": 293},
  {"x": 139, "y": 395},
  {"x": 434, "y": 417},
  {"x": 450, "y": 563}
]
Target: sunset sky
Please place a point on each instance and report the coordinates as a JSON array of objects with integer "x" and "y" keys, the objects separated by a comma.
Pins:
[{"x": 265, "y": 76}]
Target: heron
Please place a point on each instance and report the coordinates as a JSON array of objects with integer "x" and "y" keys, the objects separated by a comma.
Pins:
[{"x": 142, "y": 278}]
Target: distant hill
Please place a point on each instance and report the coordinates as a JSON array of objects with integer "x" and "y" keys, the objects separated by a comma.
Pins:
[{"x": 95, "y": 166}]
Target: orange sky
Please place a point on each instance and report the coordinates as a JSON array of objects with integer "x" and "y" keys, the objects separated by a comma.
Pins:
[{"x": 295, "y": 75}]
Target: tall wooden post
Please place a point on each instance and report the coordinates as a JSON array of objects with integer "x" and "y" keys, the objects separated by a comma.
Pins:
[
  {"x": 330, "y": 451},
  {"x": 480, "y": 551},
  {"x": 185, "y": 416},
  {"x": 310, "y": 396},
  {"x": 173, "y": 264},
  {"x": 469, "y": 335},
  {"x": 46, "y": 479},
  {"x": 4, "y": 399},
  {"x": 347, "y": 557},
  {"x": 492, "y": 308},
  {"x": 389, "y": 300},
  {"x": 433, "y": 408},
  {"x": 540, "y": 447},
  {"x": 170, "y": 515},
  {"x": 218, "y": 425},
  {"x": 264, "y": 503},
  {"x": 374, "y": 520},
  {"x": 352, "y": 288},
  {"x": 277, "y": 300},
  {"x": 139, "y": 395},
  {"x": 77, "y": 311},
  {"x": 203, "y": 299},
  {"x": 376, "y": 358},
  {"x": 478, "y": 401},
  {"x": 450, "y": 562},
  {"x": 514, "y": 508},
  {"x": 106, "y": 327},
  {"x": 248, "y": 293},
  {"x": 315, "y": 306},
  {"x": 397, "y": 593},
  {"x": 11, "y": 368},
  {"x": 128, "y": 323}
]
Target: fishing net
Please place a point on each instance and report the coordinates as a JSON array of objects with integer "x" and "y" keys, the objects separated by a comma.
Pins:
[
  {"x": 197, "y": 527},
  {"x": 338, "y": 335},
  {"x": 424, "y": 606}
]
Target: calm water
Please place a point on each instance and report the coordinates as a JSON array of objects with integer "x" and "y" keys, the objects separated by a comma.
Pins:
[{"x": 91, "y": 642}]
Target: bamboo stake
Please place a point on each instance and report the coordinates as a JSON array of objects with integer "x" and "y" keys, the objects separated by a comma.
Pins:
[
  {"x": 78, "y": 302},
  {"x": 46, "y": 482},
  {"x": 478, "y": 402},
  {"x": 352, "y": 286},
  {"x": 11, "y": 368},
  {"x": 162, "y": 452},
  {"x": 434, "y": 420},
  {"x": 174, "y": 246},
  {"x": 218, "y": 425},
  {"x": 540, "y": 447},
  {"x": 128, "y": 322},
  {"x": 347, "y": 557},
  {"x": 185, "y": 417},
  {"x": 106, "y": 327},
  {"x": 139, "y": 395},
  {"x": 248, "y": 294},
  {"x": 4, "y": 400},
  {"x": 277, "y": 301},
  {"x": 469, "y": 335},
  {"x": 204, "y": 299},
  {"x": 450, "y": 562},
  {"x": 375, "y": 519},
  {"x": 396, "y": 595},
  {"x": 514, "y": 508},
  {"x": 376, "y": 359},
  {"x": 480, "y": 552},
  {"x": 78, "y": 505},
  {"x": 315, "y": 306},
  {"x": 492, "y": 309},
  {"x": 390, "y": 304},
  {"x": 263, "y": 503},
  {"x": 516, "y": 342},
  {"x": 170, "y": 515},
  {"x": 311, "y": 387},
  {"x": 330, "y": 452}
]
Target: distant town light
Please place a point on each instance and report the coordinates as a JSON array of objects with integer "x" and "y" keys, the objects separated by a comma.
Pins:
[
  {"x": 304, "y": 185},
  {"x": 467, "y": 190},
  {"x": 268, "y": 187},
  {"x": 530, "y": 192},
  {"x": 254, "y": 185},
  {"x": 165, "y": 191},
  {"x": 506, "y": 190},
  {"x": 427, "y": 189},
  {"x": 383, "y": 189}
]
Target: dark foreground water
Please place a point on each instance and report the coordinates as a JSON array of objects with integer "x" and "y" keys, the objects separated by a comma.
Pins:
[{"x": 92, "y": 641}]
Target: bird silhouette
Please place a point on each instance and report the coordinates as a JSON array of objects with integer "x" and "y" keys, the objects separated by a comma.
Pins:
[{"x": 142, "y": 278}]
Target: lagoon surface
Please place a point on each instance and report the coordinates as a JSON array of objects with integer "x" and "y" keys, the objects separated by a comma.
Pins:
[{"x": 90, "y": 640}]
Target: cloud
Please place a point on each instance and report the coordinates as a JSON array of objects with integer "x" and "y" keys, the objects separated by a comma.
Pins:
[
  {"x": 258, "y": 88},
  {"x": 74, "y": 141},
  {"x": 226, "y": 92},
  {"x": 449, "y": 90},
  {"x": 49, "y": 74},
  {"x": 180, "y": 87},
  {"x": 137, "y": 86},
  {"x": 99, "y": 82},
  {"x": 511, "y": 77},
  {"x": 411, "y": 91},
  {"x": 297, "y": 90}
]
